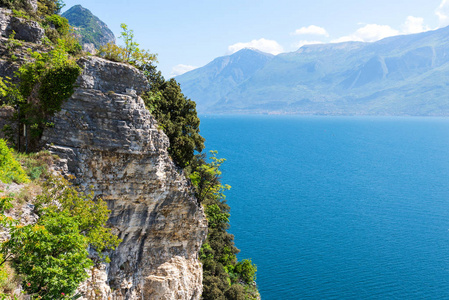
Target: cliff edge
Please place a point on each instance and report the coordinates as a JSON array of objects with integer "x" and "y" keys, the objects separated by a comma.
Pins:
[{"x": 109, "y": 141}]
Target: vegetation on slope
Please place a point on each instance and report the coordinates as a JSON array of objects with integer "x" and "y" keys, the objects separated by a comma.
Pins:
[
  {"x": 47, "y": 78},
  {"x": 224, "y": 277},
  {"x": 49, "y": 258},
  {"x": 44, "y": 7}
]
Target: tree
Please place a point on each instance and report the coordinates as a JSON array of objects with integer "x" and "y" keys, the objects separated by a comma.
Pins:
[
  {"x": 175, "y": 113},
  {"x": 130, "y": 53},
  {"x": 51, "y": 256},
  {"x": 177, "y": 116},
  {"x": 223, "y": 277}
]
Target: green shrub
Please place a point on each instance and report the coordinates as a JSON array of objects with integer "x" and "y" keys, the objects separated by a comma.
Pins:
[
  {"x": 52, "y": 34},
  {"x": 20, "y": 14},
  {"x": 44, "y": 7},
  {"x": 51, "y": 256},
  {"x": 130, "y": 53},
  {"x": 177, "y": 116},
  {"x": 49, "y": 7},
  {"x": 10, "y": 169},
  {"x": 235, "y": 292},
  {"x": 247, "y": 270},
  {"x": 3, "y": 272},
  {"x": 16, "y": 4},
  {"x": 61, "y": 24},
  {"x": 50, "y": 77},
  {"x": 112, "y": 52}
]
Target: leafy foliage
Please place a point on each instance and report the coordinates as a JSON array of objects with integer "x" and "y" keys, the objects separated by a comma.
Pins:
[
  {"x": 111, "y": 52},
  {"x": 44, "y": 7},
  {"x": 91, "y": 215},
  {"x": 10, "y": 169},
  {"x": 16, "y": 4},
  {"x": 224, "y": 277},
  {"x": 49, "y": 7},
  {"x": 246, "y": 270},
  {"x": 130, "y": 52},
  {"x": 44, "y": 84},
  {"x": 178, "y": 118},
  {"x": 51, "y": 256},
  {"x": 61, "y": 24},
  {"x": 3, "y": 88}
]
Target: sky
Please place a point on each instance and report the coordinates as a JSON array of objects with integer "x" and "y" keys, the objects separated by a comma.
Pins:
[{"x": 190, "y": 34}]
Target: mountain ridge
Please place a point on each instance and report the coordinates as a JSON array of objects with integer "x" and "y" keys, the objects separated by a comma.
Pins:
[
  {"x": 91, "y": 30},
  {"x": 400, "y": 75}
]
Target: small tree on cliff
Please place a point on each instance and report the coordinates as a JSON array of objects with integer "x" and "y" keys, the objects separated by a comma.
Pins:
[
  {"x": 130, "y": 53},
  {"x": 175, "y": 113},
  {"x": 51, "y": 255},
  {"x": 177, "y": 116}
]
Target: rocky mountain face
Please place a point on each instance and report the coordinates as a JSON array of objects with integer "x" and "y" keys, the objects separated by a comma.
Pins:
[
  {"x": 25, "y": 30},
  {"x": 221, "y": 76},
  {"x": 92, "y": 31},
  {"x": 400, "y": 75},
  {"x": 107, "y": 139},
  {"x": 28, "y": 34}
]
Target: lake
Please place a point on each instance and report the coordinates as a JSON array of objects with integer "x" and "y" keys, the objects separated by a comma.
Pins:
[{"x": 338, "y": 207}]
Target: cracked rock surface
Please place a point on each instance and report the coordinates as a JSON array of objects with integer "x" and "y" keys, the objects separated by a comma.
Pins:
[{"x": 109, "y": 141}]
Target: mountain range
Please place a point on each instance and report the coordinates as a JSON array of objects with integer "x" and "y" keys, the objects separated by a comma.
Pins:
[{"x": 400, "y": 75}]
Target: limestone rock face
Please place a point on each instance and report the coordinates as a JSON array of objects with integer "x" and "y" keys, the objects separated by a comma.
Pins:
[
  {"x": 111, "y": 143},
  {"x": 26, "y": 30},
  {"x": 89, "y": 47},
  {"x": 32, "y": 5}
]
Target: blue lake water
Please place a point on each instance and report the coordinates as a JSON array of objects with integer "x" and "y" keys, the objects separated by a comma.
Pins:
[{"x": 338, "y": 207}]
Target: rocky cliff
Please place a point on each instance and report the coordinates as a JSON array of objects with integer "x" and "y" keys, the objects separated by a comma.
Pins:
[
  {"x": 112, "y": 145},
  {"x": 25, "y": 30}
]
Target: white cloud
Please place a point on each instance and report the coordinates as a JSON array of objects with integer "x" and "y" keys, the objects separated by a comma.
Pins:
[
  {"x": 303, "y": 43},
  {"x": 264, "y": 45},
  {"x": 181, "y": 69},
  {"x": 414, "y": 25},
  {"x": 369, "y": 33},
  {"x": 443, "y": 13},
  {"x": 311, "y": 30},
  {"x": 375, "y": 32}
]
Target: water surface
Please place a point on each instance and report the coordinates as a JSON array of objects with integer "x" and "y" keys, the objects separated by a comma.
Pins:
[{"x": 339, "y": 207}]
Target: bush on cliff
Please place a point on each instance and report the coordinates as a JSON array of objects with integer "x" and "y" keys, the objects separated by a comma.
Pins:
[
  {"x": 129, "y": 53},
  {"x": 10, "y": 169},
  {"x": 175, "y": 113},
  {"x": 45, "y": 82},
  {"x": 44, "y": 7},
  {"x": 224, "y": 277},
  {"x": 51, "y": 255},
  {"x": 16, "y": 4},
  {"x": 177, "y": 116}
]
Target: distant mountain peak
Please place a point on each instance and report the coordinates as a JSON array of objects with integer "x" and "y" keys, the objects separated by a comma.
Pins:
[
  {"x": 250, "y": 49},
  {"x": 91, "y": 29}
]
